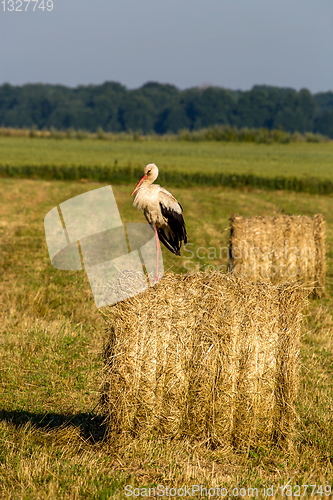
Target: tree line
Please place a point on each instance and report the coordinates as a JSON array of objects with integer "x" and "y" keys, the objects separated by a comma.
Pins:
[{"x": 163, "y": 108}]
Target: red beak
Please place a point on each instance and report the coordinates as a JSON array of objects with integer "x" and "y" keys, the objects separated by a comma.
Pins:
[{"x": 139, "y": 184}]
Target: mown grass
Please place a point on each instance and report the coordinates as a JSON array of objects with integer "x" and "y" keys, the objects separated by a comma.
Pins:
[
  {"x": 304, "y": 167},
  {"x": 51, "y": 339}
]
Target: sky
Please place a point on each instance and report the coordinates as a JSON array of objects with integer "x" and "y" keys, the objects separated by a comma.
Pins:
[{"x": 227, "y": 43}]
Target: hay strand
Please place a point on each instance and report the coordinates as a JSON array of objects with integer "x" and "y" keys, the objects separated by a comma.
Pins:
[
  {"x": 279, "y": 248},
  {"x": 204, "y": 356}
]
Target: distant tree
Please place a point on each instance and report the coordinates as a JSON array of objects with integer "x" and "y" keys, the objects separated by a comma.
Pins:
[
  {"x": 255, "y": 109},
  {"x": 307, "y": 106},
  {"x": 210, "y": 106},
  {"x": 324, "y": 124},
  {"x": 296, "y": 112},
  {"x": 162, "y": 96},
  {"x": 136, "y": 112},
  {"x": 172, "y": 119},
  {"x": 324, "y": 102},
  {"x": 163, "y": 108}
]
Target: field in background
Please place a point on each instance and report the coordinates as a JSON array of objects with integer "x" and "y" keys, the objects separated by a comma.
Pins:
[
  {"x": 51, "y": 338},
  {"x": 297, "y": 166}
]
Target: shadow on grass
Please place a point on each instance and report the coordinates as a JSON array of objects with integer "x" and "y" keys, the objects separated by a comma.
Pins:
[{"x": 92, "y": 427}]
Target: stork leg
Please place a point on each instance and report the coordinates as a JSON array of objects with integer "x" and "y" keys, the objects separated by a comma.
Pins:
[{"x": 157, "y": 251}]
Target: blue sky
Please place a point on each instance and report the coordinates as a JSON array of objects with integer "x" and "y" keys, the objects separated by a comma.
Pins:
[{"x": 229, "y": 43}]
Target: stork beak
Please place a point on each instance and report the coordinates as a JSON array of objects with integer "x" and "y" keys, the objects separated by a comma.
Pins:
[{"x": 144, "y": 177}]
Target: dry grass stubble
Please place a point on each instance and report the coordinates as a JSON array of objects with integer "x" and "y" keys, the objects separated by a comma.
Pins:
[{"x": 51, "y": 335}]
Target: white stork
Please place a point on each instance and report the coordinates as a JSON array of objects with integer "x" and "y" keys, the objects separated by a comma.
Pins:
[{"x": 161, "y": 210}]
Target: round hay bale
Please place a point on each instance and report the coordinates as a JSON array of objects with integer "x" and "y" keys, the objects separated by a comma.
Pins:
[
  {"x": 207, "y": 356},
  {"x": 279, "y": 248}
]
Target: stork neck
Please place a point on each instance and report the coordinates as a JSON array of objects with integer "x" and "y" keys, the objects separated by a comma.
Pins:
[{"x": 148, "y": 182}]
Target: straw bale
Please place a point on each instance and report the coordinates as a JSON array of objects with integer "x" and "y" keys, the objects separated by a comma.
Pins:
[
  {"x": 207, "y": 356},
  {"x": 279, "y": 248}
]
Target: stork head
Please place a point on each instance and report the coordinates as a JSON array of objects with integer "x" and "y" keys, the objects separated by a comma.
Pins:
[
  {"x": 150, "y": 174},
  {"x": 151, "y": 171}
]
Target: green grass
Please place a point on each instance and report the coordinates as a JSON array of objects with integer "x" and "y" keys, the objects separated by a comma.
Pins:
[
  {"x": 51, "y": 339},
  {"x": 296, "y": 166},
  {"x": 259, "y": 159}
]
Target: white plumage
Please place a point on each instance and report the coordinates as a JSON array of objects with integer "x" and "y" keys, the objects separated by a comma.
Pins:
[{"x": 161, "y": 210}]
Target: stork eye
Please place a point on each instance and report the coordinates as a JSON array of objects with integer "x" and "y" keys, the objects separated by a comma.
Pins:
[{"x": 148, "y": 172}]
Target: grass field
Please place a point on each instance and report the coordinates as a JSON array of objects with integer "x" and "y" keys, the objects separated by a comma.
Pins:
[
  {"x": 52, "y": 335},
  {"x": 298, "y": 166}
]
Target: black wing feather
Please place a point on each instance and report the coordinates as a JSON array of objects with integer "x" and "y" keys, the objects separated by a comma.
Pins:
[
  {"x": 174, "y": 238},
  {"x": 170, "y": 244}
]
